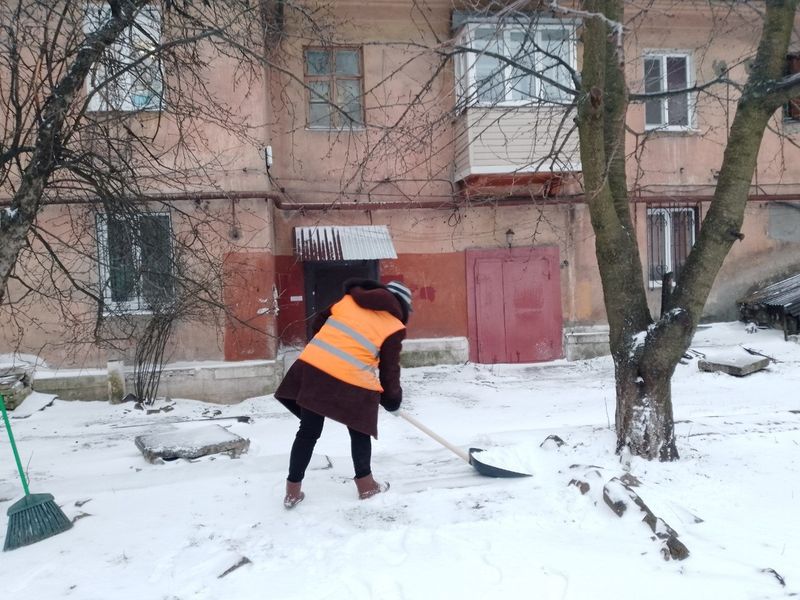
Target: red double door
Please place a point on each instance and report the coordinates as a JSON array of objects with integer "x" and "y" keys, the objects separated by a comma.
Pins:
[{"x": 514, "y": 304}]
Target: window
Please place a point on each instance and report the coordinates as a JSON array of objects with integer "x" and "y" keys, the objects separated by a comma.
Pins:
[
  {"x": 333, "y": 81},
  {"x": 670, "y": 237},
  {"x": 127, "y": 77},
  {"x": 135, "y": 261},
  {"x": 792, "y": 110},
  {"x": 510, "y": 64},
  {"x": 665, "y": 73}
]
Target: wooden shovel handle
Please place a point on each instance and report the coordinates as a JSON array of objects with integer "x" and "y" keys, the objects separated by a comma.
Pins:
[{"x": 458, "y": 451}]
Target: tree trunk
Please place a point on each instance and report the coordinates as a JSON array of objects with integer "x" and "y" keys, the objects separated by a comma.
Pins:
[
  {"x": 644, "y": 408},
  {"x": 644, "y": 422}
]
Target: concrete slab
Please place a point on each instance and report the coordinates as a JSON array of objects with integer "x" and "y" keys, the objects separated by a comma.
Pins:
[
  {"x": 33, "y": 402},
  {"x": 191, "y": 443},
  {"x": 734, "y": 364}
]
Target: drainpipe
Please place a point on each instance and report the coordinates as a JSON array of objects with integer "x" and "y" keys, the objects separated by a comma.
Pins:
[{"x": 281, "y": 203}]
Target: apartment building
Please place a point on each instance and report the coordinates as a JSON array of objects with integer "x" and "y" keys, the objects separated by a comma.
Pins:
[{"x": 434, "y": 143}]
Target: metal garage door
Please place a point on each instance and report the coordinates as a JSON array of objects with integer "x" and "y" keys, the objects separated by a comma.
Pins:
[{"x": 514, "y": 305}]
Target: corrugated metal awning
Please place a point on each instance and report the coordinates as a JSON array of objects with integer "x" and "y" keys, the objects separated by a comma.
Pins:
[
  {"x": 784, "y": 294},
  {"x": 355, "y": 242}
]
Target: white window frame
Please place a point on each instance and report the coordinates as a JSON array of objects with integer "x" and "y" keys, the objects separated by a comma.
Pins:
[
  {"x": 124, "y": 92},
  {"x": 667, "y": 212},
  {"x": 691, "y": 98},
  {"x": 137, "y": 304},
  {"x": 466, "y": 61}
]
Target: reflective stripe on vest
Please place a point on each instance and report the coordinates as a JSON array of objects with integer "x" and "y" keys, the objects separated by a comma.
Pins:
[
  {"x": 347, "y": 346},
  {"x": 342, "y": 354},
  {"x": 353, "y": 334}
]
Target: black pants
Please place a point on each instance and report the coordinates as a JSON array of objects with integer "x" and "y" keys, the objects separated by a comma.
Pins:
[{"x": 310, "y": 429}]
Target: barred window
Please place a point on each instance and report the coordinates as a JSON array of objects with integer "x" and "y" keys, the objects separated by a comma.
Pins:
[{"x": 671, "y": 234}]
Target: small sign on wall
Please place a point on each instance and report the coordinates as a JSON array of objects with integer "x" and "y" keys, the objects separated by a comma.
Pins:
[{"x": 295, "y": 298}]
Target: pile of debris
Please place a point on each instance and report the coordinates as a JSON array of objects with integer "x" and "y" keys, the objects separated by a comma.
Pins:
[{"x": 15, "y": 386}]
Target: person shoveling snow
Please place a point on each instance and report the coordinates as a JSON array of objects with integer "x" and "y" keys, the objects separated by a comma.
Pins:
[{"x": 349, "y": 368}]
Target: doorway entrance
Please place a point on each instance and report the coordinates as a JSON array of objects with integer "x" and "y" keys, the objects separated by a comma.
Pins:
[{"x": 323, "y": 283}]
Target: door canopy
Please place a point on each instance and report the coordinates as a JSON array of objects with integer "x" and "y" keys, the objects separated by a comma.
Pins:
[{"x": 355, "y": 242}]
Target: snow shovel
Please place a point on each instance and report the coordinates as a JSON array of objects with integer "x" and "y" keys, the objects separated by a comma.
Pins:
[{"x": 480, "y": 467}]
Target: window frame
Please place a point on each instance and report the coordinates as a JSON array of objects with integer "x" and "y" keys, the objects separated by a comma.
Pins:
[
  {"x": 148, "y": 20},
  {"x": 331, "y": 78},
  {"x": 668, "y": 211},
  {"x": 465, "y": 62},
  {"x": 791, "y": 110},
  {"x": 663, "y": 56},
  {"x": 138, "y": 302}
]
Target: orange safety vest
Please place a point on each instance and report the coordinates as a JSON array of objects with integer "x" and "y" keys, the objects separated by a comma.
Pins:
[{"x": 349, "y": 343}]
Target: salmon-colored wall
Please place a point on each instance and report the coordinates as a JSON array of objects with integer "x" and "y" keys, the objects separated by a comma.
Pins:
[
  {"x": 404, "y": 151},
  {"x": 686, "y": 162},
  {"x": 414, "y": 163},
  {"x": 757, "y": 259},
  {"x": 208, "y": 152},
  {"x": 431, "y": 247},
  {"x": 438, "y": 287},
  {"x": 60, "y": 329}
]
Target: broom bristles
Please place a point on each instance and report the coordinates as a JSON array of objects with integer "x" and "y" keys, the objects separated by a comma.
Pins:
[{"x": 32, "y": 519}]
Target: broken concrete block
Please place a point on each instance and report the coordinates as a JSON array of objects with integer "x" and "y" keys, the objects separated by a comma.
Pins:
[
  {"x": 193, "y": 443},
  {"x": 738, "y": 365},
  {"x": 15, "y": 386}
]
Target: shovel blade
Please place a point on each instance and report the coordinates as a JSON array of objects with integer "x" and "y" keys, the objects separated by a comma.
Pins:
[{"x": 490, "y": 470}]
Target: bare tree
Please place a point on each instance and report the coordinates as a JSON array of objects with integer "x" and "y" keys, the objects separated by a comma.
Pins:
[{"x": 113, "y": 137}]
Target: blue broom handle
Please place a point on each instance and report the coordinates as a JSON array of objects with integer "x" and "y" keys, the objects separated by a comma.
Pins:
[{"x": 13, "y": 445}]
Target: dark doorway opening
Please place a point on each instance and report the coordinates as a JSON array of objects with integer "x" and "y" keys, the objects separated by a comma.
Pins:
[{"x": 324, "y": 280}]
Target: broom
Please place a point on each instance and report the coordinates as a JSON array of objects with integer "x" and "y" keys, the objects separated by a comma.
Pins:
[{"x": 36, "y": 516}]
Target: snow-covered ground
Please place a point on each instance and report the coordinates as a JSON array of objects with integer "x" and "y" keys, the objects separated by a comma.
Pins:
[{"x": 170, "y": 531}]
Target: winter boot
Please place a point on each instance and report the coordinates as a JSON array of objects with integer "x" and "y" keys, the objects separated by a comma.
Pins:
[
  {"x": 293, "y": 494},
  {"x": 368, "y": 487}
]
